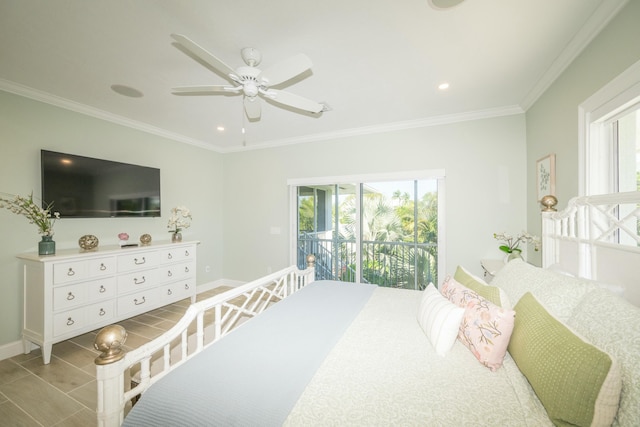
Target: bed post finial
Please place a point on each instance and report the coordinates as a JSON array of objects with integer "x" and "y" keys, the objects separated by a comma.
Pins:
[
  {"x": 311, "y": 261},
  {"x": 549, "y": 202},
  {"x": 109, "y": 341}
]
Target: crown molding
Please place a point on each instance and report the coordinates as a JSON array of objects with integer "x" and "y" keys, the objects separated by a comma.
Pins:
[
  {"x": 47, "y": 98},
  {"x": 386, "y": 127},
  {"x": 607, "y": 10},
  {"x": 57, "y": 101}
]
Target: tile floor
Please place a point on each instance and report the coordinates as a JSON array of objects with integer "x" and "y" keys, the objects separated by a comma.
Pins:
[{"x": 63, "y": 393}]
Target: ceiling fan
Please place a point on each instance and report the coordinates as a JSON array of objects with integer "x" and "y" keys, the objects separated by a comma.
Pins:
[{"x": 250, "y": 81}]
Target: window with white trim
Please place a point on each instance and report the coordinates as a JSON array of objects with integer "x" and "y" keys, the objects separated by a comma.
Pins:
[{"x": 610, "y": 137}]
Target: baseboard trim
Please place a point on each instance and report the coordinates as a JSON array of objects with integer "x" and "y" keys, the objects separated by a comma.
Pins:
[
  {"x": 11, "y": 349},
  {"x": 217, "y": 283}
]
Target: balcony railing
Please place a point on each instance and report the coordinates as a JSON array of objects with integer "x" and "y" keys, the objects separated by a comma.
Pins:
[{"x": 389, "y": 264}]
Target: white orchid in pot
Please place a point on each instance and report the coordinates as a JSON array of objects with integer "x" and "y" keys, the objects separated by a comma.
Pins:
[
  {"x": 511, "y": 245},
  {"x": 179, "y": 219},
  {"x": 42, "y": 217}
]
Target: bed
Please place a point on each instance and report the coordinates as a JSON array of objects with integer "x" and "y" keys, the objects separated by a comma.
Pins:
[{"x": 287, "y": 350}]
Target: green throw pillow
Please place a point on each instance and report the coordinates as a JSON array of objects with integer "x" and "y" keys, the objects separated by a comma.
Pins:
[
  {"x": 578, "y": 384},
  {"x": 491, "y": 293}
]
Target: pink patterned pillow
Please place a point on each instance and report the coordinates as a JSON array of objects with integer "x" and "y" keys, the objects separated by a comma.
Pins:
[
  {"x": 486, "y": 330},
  {"x": 457, "y": 293}
]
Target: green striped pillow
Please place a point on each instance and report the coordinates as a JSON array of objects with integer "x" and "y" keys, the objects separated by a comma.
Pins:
[{"x": 577, "y": 383}]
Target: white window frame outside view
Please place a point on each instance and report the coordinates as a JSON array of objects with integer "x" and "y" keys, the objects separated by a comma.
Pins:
[
  {"x": 436, "y": 176},
  {"x": 600, "y": 171}
]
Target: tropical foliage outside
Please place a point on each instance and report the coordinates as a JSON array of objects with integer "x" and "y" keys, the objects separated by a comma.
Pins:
[{"x": 398, "y": 238}]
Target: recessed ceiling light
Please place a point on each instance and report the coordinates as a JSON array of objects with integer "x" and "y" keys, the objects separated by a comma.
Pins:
[
  {"x": 127, "y": 91},
  {"x": 443, "y": 86},
  {"x": 220, "y": 128}
]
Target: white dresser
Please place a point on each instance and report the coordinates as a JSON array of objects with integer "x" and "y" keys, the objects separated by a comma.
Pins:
[{"x": 74, "y": 292}]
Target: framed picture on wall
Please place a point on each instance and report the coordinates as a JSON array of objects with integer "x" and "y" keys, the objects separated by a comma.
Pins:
[{"x": 546, "y": 176}]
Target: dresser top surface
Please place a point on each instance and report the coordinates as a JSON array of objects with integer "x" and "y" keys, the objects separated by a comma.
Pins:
[{"x": 100, "y": 251}]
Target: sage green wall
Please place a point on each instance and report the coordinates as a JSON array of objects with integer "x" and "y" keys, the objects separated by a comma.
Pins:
[
  {"x": 483, "y": 160},
  {"x": 552, "y": 122},
  {"x": 190, "y": 176}
]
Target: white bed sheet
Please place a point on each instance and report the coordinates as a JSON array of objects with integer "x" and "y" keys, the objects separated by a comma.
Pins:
[{"x": 383, "y": 371}]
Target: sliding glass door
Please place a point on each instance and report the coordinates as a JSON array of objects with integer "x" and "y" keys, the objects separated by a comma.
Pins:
[{"x": 384, "y": 232}]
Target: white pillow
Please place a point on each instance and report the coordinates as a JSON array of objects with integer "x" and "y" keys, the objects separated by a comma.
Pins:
[{"x": 440, "y": 319}]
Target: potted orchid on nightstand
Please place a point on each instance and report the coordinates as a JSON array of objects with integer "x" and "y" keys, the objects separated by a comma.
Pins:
[
  {"x": 43, "y": 218},
  {"x": 180, "y": 219},
  {"x": 511, "y": 245}
]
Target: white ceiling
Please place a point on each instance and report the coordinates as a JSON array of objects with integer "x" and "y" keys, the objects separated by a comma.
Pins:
[{"x": 377, "y": 63}]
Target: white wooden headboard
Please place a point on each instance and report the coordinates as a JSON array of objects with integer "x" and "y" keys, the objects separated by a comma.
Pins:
[{"x": 596, "y": 237}]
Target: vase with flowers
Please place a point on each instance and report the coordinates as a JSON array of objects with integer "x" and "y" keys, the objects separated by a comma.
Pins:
[
  {"x": 511, "y": 245},
  {"x": 179, "y": 219},
  {"x": 42, "y": 217}
]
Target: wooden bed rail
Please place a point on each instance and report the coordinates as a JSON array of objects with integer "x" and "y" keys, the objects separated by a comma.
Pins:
[{"x": 204, "y": 323}]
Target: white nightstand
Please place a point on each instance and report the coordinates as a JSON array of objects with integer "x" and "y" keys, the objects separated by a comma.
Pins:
[{"x": 490, "y": 267}]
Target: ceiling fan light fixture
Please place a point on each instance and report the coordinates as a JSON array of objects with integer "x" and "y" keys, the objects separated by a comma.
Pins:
[{"x": 251, "y": 90}]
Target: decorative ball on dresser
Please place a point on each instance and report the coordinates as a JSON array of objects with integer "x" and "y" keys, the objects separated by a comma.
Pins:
[
  {"x": 145, "y": 239},
  {"x": 88, "y": 242}
]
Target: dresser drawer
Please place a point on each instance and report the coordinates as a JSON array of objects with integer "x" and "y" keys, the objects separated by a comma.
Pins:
[
  {"x": 177, "y": 254},
  {"x": 137, "y": 280},
  {"x": 68, "y": 321},
  {"x": 102, "y": 267},
  {"x": 177, "y": 271},
  {"x": 177, "y": 291},
  {"x": 139, "y": 302},
  {"x": 65, "y": 297},
  {"x": 72, "y": 271},
  {"x": 101, "y": 289},
  {"x": 137, "y": 261},
  {"x": 100, "y": 313}
]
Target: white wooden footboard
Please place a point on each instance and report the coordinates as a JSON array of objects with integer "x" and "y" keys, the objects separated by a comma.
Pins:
[
  {"x": 204, "y": 323},
  {"x": 596, "y": 237}
]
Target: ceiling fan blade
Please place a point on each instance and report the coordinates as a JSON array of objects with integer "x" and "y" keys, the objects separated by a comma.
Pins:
[
  {"x": 252, "y": 107},
  {"x": 203, "y": 54},
  {"x": 295, "y": 101},
  {"x": 204, "y": 90},
  {"x": 285, "y": 70}
]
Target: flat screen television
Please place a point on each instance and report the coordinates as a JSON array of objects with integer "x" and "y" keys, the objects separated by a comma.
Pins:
[{"x": 83, "y": 187}]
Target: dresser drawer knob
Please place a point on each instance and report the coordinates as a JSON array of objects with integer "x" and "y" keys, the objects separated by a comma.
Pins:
[
  {"x": 71, "y": 272},
  {"x": 186, "y": 269},
  {"x": 135, "y": 260},
  {"x": 70, "y": 296},
  {"x": 135, "y": 301},
  {"x": 186, "y": 253},
  {"x": 102, "y": 312},
  {"x": 169, "y": 256},
  {"x": 169, "y": 292},
  {"x": 102, "y": 289},
  {"x": 70, "y": 321},
  {"x": 102, "y": 267},
  {"x": 186, "y": 286},
  {"x": 169, "y": 273}
]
